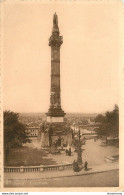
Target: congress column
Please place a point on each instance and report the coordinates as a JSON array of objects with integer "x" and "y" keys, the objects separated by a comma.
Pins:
[{"x": 55, "y": 113}]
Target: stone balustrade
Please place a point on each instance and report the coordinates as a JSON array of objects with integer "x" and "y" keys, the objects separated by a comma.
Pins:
[{"x": 41, "y": 168}]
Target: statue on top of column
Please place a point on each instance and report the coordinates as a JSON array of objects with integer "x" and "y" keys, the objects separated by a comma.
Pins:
[
  {"x": 55, "y": 24},
  {"x": 55, "y": 20},
  {"x": 55, "y": 39}
]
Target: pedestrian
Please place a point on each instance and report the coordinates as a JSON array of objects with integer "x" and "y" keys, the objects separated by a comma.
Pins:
[
  {"x": 74, "y": 165},
  {"x": 66, "y": 151},
  {"x": 85, "y": 165},
  {"x": 69, "y": 152}
]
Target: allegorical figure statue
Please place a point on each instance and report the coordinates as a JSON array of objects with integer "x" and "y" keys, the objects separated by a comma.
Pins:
[{"x": 55, "y": 20}]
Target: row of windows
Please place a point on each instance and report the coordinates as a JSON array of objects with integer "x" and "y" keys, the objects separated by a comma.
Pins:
[
  {"x": 33, "y": 134},
  {"x": 32, "y": 130}
]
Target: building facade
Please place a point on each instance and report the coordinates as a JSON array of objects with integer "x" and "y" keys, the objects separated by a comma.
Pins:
[{"x": 32, "y": 131}]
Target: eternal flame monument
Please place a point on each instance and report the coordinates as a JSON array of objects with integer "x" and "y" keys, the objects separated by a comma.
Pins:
[{"x": 55, "y": 130}]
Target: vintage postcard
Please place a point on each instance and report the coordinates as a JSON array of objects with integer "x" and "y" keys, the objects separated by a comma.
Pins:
[{"x": 62, "y": 95}]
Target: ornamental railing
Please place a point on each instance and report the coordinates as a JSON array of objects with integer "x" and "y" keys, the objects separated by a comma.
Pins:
[{"x": 41, "y": 168}]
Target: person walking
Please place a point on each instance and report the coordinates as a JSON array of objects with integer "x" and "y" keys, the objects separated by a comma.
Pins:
[
  {"x": 74, "y": 165},
  {"x": 69, "y": 152},
  {"x": 85, "y": 165}
]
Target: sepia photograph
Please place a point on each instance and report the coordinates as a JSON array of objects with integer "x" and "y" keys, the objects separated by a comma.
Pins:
[{"x": 61, "y": 93}]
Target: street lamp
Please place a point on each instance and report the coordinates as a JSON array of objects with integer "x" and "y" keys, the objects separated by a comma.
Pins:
[
  {"x": 79, "y": 134},
  {"x": 79, "y": 150}
]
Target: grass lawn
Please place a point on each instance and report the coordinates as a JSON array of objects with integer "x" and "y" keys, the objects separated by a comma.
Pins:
[{"x": 26, "y": 156}]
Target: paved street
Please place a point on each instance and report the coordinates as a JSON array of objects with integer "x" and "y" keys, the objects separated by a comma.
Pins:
[
  {"x": 97, "y": 174},
  {"x": 104, "y": 179}
]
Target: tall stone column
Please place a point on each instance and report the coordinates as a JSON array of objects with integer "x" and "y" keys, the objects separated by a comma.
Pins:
[{"x": 55, "y": 112}]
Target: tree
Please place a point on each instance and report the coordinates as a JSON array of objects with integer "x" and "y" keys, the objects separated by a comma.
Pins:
[
  {"x": 112, "y": 120},
  {"x": 108, "y": 124},
  {"x": 14, "y": 132},
  {"x": 100, "y": 118}
]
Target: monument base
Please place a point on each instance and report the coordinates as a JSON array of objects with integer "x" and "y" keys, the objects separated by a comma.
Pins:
[
  {"x": 55, "y": 112},
  {"x": 51, "y": 119},
  {"x": 56, "y": 134},
  {"x": 65, "y": 140}
]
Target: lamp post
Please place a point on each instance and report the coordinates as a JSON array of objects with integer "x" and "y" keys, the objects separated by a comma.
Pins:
[
  {"x": 79, "y": 134},
  {"x": 79, "y": 150}
]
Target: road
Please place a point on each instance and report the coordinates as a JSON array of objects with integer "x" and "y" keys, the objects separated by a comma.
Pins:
[{"x": 104, "y": 179}]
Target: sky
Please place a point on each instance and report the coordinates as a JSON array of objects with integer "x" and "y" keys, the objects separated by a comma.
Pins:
[{"x": 89, "y": 59}]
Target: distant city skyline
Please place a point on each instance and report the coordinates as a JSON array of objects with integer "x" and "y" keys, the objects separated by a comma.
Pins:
[{"x": 88, "y": 59}]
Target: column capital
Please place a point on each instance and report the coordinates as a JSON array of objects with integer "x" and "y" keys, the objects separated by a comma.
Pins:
[{"x": 55, "y": 41}]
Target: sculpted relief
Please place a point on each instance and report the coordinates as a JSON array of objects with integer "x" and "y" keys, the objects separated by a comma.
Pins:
[{"x": 55, "y": 99}]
